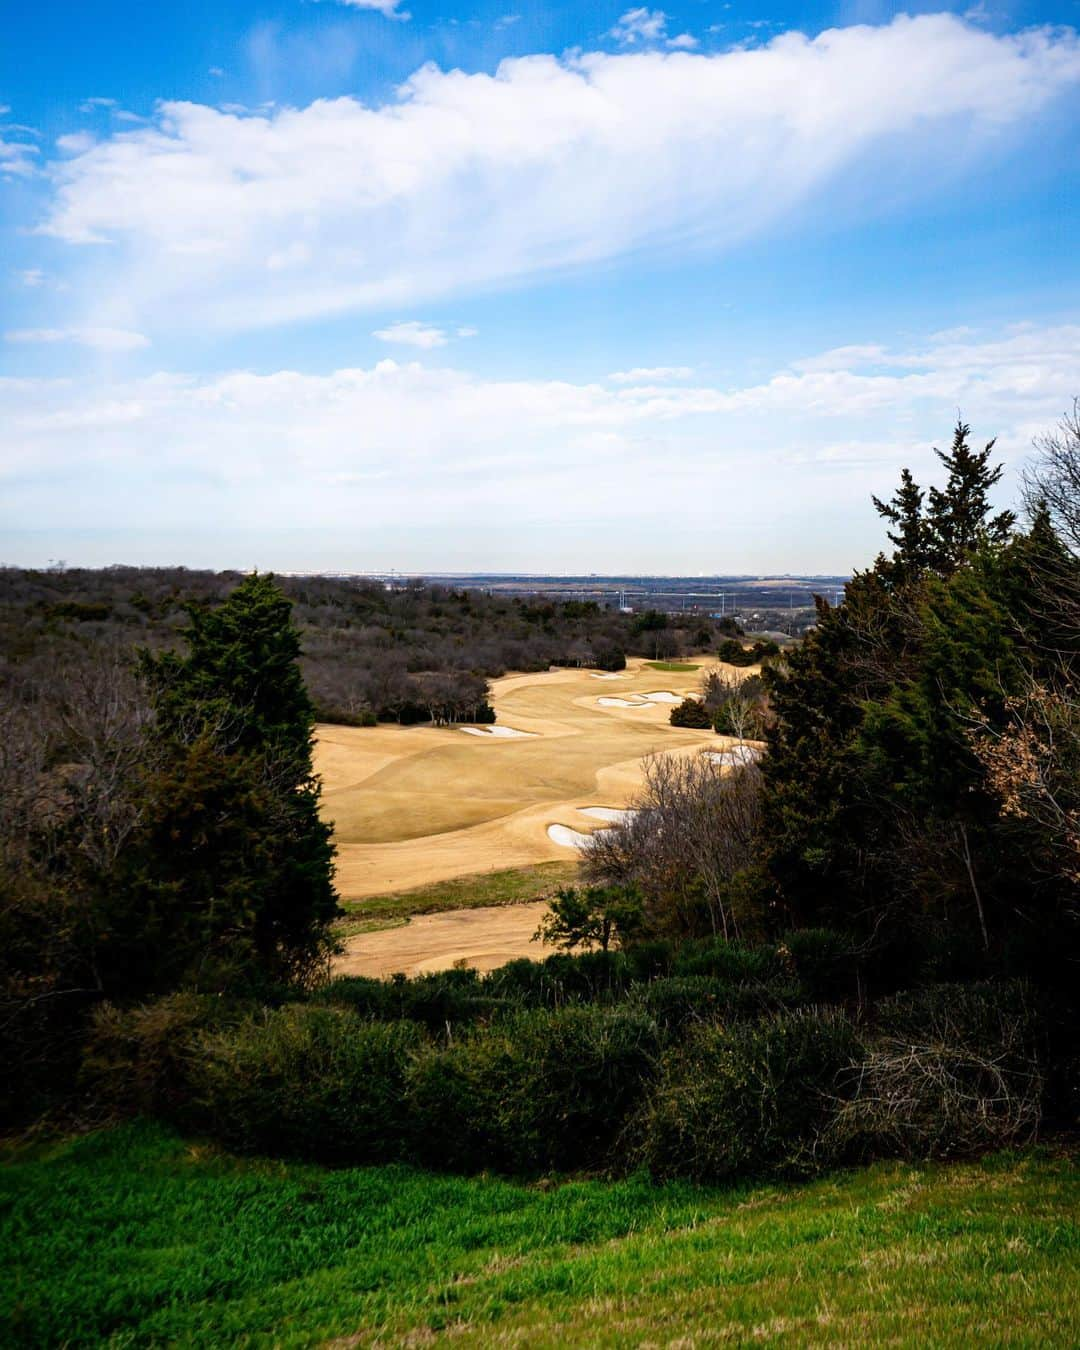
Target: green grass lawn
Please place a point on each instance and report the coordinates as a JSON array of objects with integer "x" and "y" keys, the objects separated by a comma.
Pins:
[
  {"x": 510, "y": 887},
  {"x": 678, "y": 666},
  {"x": 136, "y": 1237}
]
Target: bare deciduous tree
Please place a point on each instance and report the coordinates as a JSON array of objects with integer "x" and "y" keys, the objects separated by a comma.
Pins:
[
  {"x": 693, "y": 830},
  {"x": 1053, "y": 478}
]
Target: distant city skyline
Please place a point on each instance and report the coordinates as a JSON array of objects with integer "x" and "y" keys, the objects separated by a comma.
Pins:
[{"x": 380, "y": 285}]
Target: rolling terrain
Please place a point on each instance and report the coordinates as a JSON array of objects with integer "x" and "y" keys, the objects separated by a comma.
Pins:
[{"x": 412, "y": 806}]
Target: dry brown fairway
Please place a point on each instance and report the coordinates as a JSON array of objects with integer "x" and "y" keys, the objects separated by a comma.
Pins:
[
  {"x": 412, "y": 806},
  {"x": 416, "y": 805}
]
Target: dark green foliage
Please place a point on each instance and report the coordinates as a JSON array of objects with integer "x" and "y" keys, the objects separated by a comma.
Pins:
[
  {"x": 912, "y": 734},
  {"x": 733, "y": 653},
  {"x": 744, "y": 1100},
  {"x": 137, "y": 1060},
  {"x": 539, "y": 1092},
  {"x": 308, "y": 1082},
  {"x": 563, "y": 978},
  {"x": 450, "y": 998},
  {"x": 691, "y": 712},
  {"x": 679, "y": 1000},
  {"x": 827, "y": 964},
  {"x": 236, "y": 858},
  {"x": 733, "y": 962},
  {"x": 593, "y": 916}
]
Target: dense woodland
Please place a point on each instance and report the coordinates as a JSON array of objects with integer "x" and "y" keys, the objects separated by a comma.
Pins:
[
  {"x": 406, "y": 652},
  {"x": 865, "y": 945}
]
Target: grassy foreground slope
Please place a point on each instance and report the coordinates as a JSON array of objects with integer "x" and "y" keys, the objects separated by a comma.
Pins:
[{"x": 136, "y": 1236}]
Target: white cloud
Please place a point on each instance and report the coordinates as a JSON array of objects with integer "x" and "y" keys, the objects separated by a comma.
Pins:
[
  {"x": 640, "y": 25},
  {"x": 295, "y": 254},
  {"x": 31, "y": 276},
  {"x": 412, "y": 334},
  {"x": 387, "y": 8},
  {"x": 651, "y": 374},
  {"x": 96, "y": 104},
  {"x": 77, "y": 143},
  {"x": 442, "y": 451},
  {"x": 100, "y": 339},
  {"x": 469, "y": 180},
  {"x": 647, "y": 27},
  {"x": 18, "y": 158}
]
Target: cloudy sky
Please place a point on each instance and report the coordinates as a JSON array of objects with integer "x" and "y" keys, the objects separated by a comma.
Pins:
[{"x": 445, "y": 284}]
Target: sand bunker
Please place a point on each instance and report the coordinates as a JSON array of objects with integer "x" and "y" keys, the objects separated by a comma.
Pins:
[
  {"x": 639, "y": 700},
  {"x": 502, "y": 732},
  {"x": 735, "y": 754},
  {"x": 565, "y": 837},
  {"x": 612, "y": 814},
  {"x": 607, "y": 677}
]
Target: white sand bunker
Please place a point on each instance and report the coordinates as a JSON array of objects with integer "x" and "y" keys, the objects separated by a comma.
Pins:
[
  {"x": 565, "y": 837},
  {"x": 607, "y": 677},
  {"x": 612, "y": 814},
  {"x": 503, "y": 732},
  {"x": 663, "y": 696},
  {"x": 620, "y": 703},
  {"x": 736, "y": 754}
]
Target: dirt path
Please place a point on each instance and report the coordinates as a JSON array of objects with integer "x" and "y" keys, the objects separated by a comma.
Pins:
[{"x": 483, "y": 938}]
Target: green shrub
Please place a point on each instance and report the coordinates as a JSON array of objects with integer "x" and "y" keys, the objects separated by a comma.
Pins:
[
  {"x": 537, "y": 1092},
  {"x": 691, "y": 712},
  {"x": 745, "y": 1100},
  {"x": 308, "y": 1081},
  {"x": 729, "y": 961},
  {"x": 562, "y": 978},
  {"x": 679, "y": 1000},
  {"x": 138, "y": 1059},
  {"x": 826, "y": 963},
  {"x": 447, "y": 998},
  {"x": 649, "y": 960}
]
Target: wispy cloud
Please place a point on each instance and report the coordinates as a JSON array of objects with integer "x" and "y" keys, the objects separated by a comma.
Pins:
[
  {"x": 412, "y": 334},
  {"x": 463, "y": 181},
  {"x": 651, "y": 374},
  {"x": 100, "y": 339},
  {"x": 387, "y": 8},
  {"x": 433, "y": 444}
]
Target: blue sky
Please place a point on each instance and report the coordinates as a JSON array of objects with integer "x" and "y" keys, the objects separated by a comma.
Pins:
[{"x": 434, "y": 286}]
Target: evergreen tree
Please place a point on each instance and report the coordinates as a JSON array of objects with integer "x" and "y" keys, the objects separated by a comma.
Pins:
[
  {"x": 905, "y": 512},
  {"x": 236, "y": 851},
  {"x": 958, "y": 519}
]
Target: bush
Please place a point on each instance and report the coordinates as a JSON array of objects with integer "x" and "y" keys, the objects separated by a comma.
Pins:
[
  {"x": 747, "y": 1100},
  {"x": 138, "y": 1059},
  {"x": 679, "y": 1000},
  {"x": 826, "y": 962},
  {"x": 728, "y": 961},
  {"x": 309, "y": 1082},
  {"x": 953, "y": 1071},
  {"x": 538, "y": 1092},
  {"x": 562, "y": 978},
  {"x": 691, "y": 712},
  {"x": 440, "y": 1000}
]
